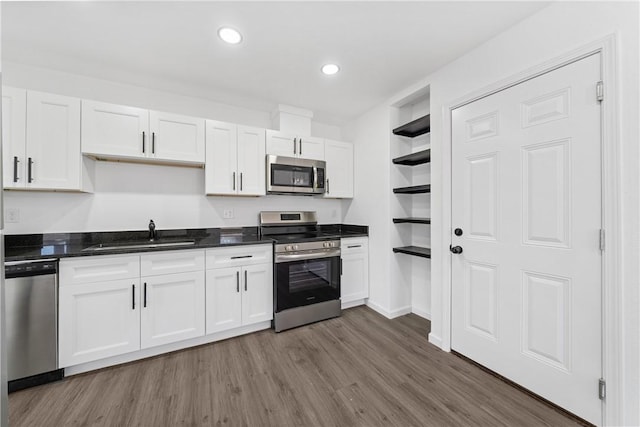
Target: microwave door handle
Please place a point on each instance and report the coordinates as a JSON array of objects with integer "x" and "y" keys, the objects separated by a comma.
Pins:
[{"x": 315, "y": 177}]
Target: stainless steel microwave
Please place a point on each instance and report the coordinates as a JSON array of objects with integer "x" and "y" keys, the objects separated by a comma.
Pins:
[{"x": 291, "y": 175}]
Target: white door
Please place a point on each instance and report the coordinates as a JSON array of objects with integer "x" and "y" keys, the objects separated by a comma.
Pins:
[
  {"x": 354, "y": 283},
  {"x": 221, "y": 176},
  {"x": 172, "y": 308},
  {"x": 115, "y": 130},
  {"x": 527, "y": 195},
  {"x": 257, "y": 296},
  {"x": 176, "y": 138},
  {"x": 281, "y": 144},
  {"x": 224, "y": 300},
  {"x": 310, "y": 147},
  {"x": 98, "y": 320},
  {"x": 339, "y": 158},
  {"x": 251, "y": 161},
  {"x": 14, "y": 125},
  {"x": 53, "y": 141}
]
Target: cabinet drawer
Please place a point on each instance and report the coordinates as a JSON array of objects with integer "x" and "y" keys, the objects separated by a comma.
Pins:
[
  {"x": 354, "y": 245},
  {"x": 239, "y": 255},
  {"x": 98, "y": 269},
  {"x": 171, "y": 262}
]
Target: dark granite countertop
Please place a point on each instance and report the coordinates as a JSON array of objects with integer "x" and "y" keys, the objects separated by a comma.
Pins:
[{"x": 63, "y": 245}]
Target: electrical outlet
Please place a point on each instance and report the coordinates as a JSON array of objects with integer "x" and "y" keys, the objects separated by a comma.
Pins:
[
  {"x": 12, "y": 215},
  {"x": 227, "y": 213}
]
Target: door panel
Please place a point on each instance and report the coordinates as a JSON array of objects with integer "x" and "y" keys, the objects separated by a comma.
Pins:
[
  {"x": 251, "y": 161},
  {"x": 526, "y": 190},
  {"x": 98, "y": 320},
  {"x": 53, "y": 141},
  {"x": 14, "y": 126},
  {"x": 172, "y": 309},
  {"x": 257, "y": 298},
  {"x": 223, "y": 299},
  {"x": 281, "y": 144},
  {"x": 176, "y": 137},
  {"x": 115, "y": 130},
  {"x": 221, "y": 165}
]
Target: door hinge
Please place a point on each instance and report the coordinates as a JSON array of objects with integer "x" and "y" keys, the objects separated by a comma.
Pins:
[
  {"x": 600, "y": 91},
  {"x": 602, "y": 389},
  {"x": 602, "y": 239}
]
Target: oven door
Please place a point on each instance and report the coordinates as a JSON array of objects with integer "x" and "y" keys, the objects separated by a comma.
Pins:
[{"x": 304, "y": 279}]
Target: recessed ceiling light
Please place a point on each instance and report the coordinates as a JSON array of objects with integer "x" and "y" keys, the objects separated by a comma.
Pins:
[
  {"x": 330, "y": 69},
  {"x": 230, "y": 35}
]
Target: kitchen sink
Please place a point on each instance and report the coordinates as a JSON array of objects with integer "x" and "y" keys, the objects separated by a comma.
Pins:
[{"x": 139, "y": 245}]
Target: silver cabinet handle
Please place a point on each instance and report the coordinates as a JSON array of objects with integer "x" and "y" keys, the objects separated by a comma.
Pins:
[
  {"x": 245, "y": 280},
  {"x": 328, "y": 186},
  {"x": 133, "y": 297},
  {"x": 300, "y": 146},
  {"x": 240, "y": 181},
  {"x": 237, "y": 281},
  {"x": 294, "y": 146},
  {"x": 143, "y": 137},
  {"x": 234, "y": 181},
  {"x": 354, "y": 246},
  {"x": 153, "y": 143},
  {"x": 30, "y": 171}
]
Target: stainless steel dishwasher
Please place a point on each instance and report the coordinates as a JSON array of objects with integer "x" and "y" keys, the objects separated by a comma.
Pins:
[{"x": 31, "y": 305}]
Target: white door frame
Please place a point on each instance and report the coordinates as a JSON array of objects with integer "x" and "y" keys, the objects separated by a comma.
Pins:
[{"x": 612, "y": 348}]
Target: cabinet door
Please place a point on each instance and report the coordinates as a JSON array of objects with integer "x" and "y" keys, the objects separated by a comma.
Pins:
[
  {"x": 98, "y": 320},
  {"x": 311, "y": 148},
  {"x": 115, "y": 130},
  {"x": 251, "y": 161},
  {"x": 224, "y": 300},
  {"x": 172, "y": 308},
  {"x": 176, "y": 138},
  {"x": 339, "y": 158},
  {"x": 14, "y": 125},
  {"x": 53, "y": 141},
  {"x": 354, "y": 284},
  {"x": 257, "y": 295},
  {"x": 281, "y": 144},
  {"x": 221, "y": 175}
]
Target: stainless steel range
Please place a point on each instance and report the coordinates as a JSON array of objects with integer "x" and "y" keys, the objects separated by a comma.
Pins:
[{"x": 307, "y": 269}]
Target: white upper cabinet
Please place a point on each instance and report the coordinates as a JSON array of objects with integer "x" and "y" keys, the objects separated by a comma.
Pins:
[
  {"x": 53, "y": 142},
  {"x": 339, "y": 172},
  {"x": 122, "y": 132},
  {"x": 112, "y": 130},
  {"x": 41, "y": 141},
  {"x": 251, "y": 161},
  {"x": 176, "y": 138},
  {"x": 235, "y": 159},
  {"x": 289, "y": 145},
  {"x": 14, "y": 127}
]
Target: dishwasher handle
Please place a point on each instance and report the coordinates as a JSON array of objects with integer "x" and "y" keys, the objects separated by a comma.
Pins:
[{"x": 30, "y": 268}]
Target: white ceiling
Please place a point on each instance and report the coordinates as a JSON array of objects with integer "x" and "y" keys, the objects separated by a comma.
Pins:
[{"x": 382, "y": 47}]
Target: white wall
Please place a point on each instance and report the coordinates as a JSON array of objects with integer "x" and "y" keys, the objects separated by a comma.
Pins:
[
  {"x": 554, "y": 31},
  {"x": 125, "y": 195}
]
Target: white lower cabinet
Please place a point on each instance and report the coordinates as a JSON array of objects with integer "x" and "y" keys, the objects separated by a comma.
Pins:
[
  {"x": 354, "y": 284},
  {"x": 172, "y": 308},
  {"x": 98, "y": 320},
  {"x": 241, "y": 295}
]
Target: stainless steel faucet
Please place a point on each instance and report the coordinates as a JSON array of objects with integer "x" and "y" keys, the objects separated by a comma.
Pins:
[{"x": 152, "y": 230}]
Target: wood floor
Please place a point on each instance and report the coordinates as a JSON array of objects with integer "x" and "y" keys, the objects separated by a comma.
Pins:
[{"x": 357, "y": 370}]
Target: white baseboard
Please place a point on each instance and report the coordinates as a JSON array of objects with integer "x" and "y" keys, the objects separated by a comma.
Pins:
[
  {"x": 353, "y": 303},
  {"x": 422, "y": 313},
  {"x": 435, "y": 340},
  {"x": 386, "y": 313},
  {"x": 167, "y": 348}
]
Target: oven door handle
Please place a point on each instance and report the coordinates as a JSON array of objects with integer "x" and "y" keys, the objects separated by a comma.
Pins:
[{"x": 330, "y": 253}]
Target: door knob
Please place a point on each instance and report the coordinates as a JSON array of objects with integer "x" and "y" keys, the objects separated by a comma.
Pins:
[{"x": 455, "y": 249}]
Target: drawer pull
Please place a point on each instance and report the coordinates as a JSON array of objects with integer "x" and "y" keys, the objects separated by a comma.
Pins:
[
  {"x": 354, "y": 246},
  {"x": 242, "y": 256},
  {"x": 133, "y": 297}
]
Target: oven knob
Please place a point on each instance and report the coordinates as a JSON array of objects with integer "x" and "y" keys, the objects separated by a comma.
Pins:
[
  {"x": 295, "y": 247},
  {"x": 288, "y": 248},
  {"x": 325, "y": 245}
]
